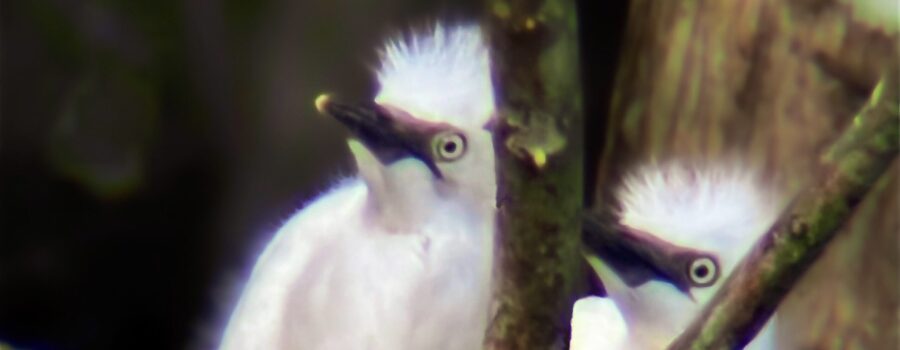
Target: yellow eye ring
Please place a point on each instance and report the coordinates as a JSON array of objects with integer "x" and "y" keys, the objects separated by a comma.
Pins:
[
  {"x": 703, "y": 271},
  {"x": 449, "y": 146}
]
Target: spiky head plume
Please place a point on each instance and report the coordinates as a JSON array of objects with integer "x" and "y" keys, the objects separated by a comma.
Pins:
[
  {"x": 441, "y": 74},
  {"x": 714, "y": 207}
]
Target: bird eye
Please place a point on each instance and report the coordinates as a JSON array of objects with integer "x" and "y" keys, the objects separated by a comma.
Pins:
[
  {"x": 703, "y": 271},
  {"x": 450, "y": 146}
]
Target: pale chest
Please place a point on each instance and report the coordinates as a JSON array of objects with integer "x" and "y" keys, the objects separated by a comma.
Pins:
[{"x": 393, "y": 292}]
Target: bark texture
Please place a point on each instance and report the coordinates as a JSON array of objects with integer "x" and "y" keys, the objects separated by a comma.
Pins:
[
  {"x": 538, "y": 143},
  {"x": 775, "y": 84},
  {"x": 749, "y": 297}
]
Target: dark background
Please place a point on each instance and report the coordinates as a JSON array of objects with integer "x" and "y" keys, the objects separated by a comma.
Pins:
[{"x": 149, "y": 149}]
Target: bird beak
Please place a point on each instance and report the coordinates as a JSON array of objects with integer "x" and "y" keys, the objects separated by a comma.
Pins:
[
  {"x": 390, "y": 134},
  {"x": 638, "y": 256}
]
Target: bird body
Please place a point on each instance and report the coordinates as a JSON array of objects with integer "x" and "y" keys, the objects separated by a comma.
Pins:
[
  {"x": 399, "y": 257},
  {"x": 712, "y": 214},
  {"x": 366, "y": 288}
]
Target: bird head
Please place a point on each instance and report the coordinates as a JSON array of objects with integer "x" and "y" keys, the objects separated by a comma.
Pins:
[
  {"x": 682, "y": 229},
  {"x": 421, "y": 145}
]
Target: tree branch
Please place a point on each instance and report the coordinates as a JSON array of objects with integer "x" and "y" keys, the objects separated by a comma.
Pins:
[
  {"x": 855, "y": 162},
  {"x": 539, "y": 171}
]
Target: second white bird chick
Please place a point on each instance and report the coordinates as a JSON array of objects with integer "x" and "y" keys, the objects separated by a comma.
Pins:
[
  {"x": 401, "y": 256},
  {"x": 682, "y": 229}
]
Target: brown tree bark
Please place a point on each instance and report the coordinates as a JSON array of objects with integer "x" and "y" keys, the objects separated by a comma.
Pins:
[
  {"x": 539, "y": 154},
  {"x": 750, "y": 296},
  {"x": 773, "y": 83}
]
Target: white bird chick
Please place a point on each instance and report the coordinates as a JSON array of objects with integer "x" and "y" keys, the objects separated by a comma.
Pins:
[
  {"x": 401, "y": 256},
  {"x": 681, "y": 231}
]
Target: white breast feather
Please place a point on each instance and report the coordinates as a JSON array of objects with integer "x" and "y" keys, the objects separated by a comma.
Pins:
[{"x": 440, "y": 75}]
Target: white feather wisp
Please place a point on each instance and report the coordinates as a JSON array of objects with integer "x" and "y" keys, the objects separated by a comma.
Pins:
[
  {"x": 441, "y": 74},
  {"x": 715, "y": 207}
]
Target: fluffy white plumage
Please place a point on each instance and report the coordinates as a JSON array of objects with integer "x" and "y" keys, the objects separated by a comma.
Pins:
[
  {"x": 718, "y": 208},
  {"x": 395, "y": 258},
  {"x": 713, "y": 207},
  {"x": 439, "y": 75},
  {"x": 597, "y": 325}
]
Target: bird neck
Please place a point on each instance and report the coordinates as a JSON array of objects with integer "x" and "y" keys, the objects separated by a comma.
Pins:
[
  {"x": 408, "y": 198},
  {"x": 403, "y": 202}
]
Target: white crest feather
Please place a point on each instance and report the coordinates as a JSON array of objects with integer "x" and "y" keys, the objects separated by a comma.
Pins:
[
  {"x": 708, "y": 207},
  {"x": 439, "y": 75}
]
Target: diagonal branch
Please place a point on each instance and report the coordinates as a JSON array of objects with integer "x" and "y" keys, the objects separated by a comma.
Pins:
[{"x": 854, "y": 163}]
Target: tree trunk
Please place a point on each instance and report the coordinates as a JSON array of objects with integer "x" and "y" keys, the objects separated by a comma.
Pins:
[
  {"x": 756, "y": 287},
  {"x": 538, "y": 144},
  {"x": 773, "y": 83}
]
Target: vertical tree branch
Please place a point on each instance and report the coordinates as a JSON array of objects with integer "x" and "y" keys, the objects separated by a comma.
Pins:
[
  {"x": 538, "y": 144},
  {"x": 856, "y": 161}
]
